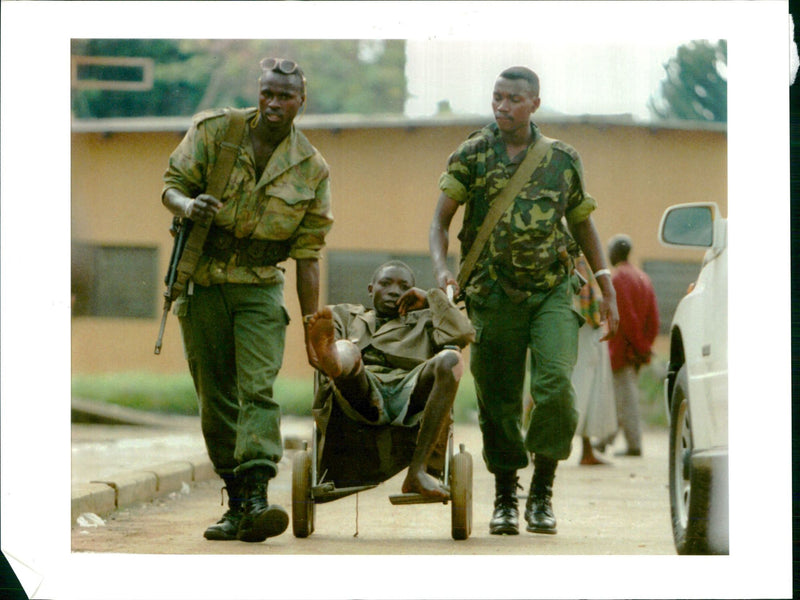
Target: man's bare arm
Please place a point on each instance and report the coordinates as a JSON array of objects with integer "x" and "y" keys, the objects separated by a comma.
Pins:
[
  {"x": 439, "y": 241},
  {"x": 308, "y": 296},
  {"x": 585, "y": 234}
]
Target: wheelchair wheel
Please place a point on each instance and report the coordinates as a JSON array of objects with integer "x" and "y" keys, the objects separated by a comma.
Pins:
[
  {"x": 302, "y": 502},
  {"x": 461, "y": 494}
]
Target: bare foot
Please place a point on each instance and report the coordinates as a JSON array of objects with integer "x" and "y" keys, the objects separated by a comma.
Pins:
[
  {"x": 591, "y": 459},
  {"x": 321, "y": 336},
  {"x": 423, "y": 484}
]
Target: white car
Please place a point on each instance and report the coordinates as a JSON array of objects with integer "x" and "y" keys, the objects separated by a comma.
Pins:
[{"x": 696, "y": 387}]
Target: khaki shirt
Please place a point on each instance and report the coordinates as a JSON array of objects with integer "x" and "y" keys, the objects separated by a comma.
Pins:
[
  {"x": 290, "y": 201},
  {"x": 407, "y": 341}
]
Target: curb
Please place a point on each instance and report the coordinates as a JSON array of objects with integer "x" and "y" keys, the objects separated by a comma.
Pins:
[{"x": 104, "y": 496}]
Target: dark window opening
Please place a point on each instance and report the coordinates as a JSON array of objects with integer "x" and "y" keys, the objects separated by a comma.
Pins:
[
  {"x": 350, "y": 272},
  {"x": 114, "y": 281}
]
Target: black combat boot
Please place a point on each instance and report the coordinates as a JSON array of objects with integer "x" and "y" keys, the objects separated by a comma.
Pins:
[
  {"x": 228, "y": 526},
  {"x": 260, "y": 520},
  {"x": 505, "y": 519},
  {"x": 538, "y": 508}
]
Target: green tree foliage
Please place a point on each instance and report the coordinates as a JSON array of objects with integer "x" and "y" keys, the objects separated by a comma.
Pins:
[
  {"x": 696, "y": 85},
  {"x": 171, "y": 95},
  {"x": 343, "y": 76}
]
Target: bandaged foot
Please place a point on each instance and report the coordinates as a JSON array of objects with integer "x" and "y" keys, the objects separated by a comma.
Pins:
[
  {"x": 422, "y": 483},
  {"x": 322, "y": 338}
]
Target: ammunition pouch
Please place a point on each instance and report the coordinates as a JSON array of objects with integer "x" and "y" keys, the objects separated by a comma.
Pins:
[{"x": 222, "y": 245}]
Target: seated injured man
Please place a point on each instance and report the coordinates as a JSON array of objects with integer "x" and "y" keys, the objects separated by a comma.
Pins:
[{"x": 386, "y": 383}]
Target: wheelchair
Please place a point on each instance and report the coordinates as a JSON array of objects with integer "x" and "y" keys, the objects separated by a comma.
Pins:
[{"x": 350, "y": 457}]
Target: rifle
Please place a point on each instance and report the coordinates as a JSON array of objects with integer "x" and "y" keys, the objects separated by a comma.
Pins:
[
  {"x": 180, "y": 231},
  {"x": 190, "y": 235},
  {"x": 186, "y": 251}
]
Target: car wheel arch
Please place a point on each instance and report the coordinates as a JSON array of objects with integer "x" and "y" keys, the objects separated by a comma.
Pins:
[{"x": 677, "y": 359}]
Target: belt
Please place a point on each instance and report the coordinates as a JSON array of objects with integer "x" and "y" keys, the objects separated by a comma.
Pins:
[{"x": 222, "y": 245}]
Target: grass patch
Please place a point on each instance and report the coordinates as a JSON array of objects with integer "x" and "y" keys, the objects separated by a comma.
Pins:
[
  {"x": 651, "y": 393},
  {"x": 142, "y": 391},
  {"x": 174, "y": 394}
]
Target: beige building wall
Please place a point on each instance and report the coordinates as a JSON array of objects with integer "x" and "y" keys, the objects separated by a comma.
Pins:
[{"x": 384, "y": 191}]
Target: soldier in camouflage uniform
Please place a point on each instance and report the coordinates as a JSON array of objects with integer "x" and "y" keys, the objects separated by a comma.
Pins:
[
  {"x": 520, "y": 294},
  {"x": 233, "y": 318}
]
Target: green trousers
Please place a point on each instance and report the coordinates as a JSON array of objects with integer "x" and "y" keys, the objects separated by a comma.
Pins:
[
  {"x": 545, "y": 326},
  {"x": 234, "y": 338}
]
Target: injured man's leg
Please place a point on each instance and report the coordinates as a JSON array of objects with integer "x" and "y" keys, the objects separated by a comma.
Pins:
[
  {"x": 437, "y": 385},
  {"x": 341, "y": 361},
  {"x": 333, "y": 361}
]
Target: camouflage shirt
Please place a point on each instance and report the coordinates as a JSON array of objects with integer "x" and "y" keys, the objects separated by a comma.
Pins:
[
  {"x": 289, "y": 202},
  {"x": 522, "y": 252}
]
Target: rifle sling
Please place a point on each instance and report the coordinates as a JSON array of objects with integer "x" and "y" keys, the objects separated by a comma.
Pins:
[
  {"x": 500, "y": 204},
  {"x": 217, "y": 181}
]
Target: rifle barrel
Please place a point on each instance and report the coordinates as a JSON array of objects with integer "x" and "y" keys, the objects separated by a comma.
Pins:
[{"x": 167, "y": 304}]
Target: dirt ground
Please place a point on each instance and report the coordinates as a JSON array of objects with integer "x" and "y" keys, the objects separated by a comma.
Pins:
[
  {"x": 619, "y": 509},
  {"x": 608, "y": 516}
]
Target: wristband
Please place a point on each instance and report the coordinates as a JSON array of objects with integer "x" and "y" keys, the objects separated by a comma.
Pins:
[
  {"x": 307, "y": 319},
  {"x": 602, "y": 272}
]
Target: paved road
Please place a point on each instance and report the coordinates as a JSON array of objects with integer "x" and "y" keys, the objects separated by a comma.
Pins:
[{"x": 621, "y": 509}]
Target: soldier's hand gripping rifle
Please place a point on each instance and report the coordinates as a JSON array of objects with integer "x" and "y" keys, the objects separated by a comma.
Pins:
[{"x": 186, "y": 250}]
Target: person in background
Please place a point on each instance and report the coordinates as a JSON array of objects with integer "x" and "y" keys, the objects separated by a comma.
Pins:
[
  {"x": 632, "y": 346},
  {"x": 592, "y": 379},
  {"x": 233, "y": 319},
  {"x": 519, "y": 295}
]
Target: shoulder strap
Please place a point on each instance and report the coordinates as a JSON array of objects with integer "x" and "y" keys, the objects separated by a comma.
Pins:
[
  {"x": 229, "y": 150},
  {"x": 217, "y": 181},
  {"x": 500, "y": 203}
]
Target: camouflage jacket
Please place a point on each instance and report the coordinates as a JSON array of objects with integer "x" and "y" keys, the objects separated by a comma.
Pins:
[
  {"x": 290, "y": 202},
  {"x": 522, "y": 252}
]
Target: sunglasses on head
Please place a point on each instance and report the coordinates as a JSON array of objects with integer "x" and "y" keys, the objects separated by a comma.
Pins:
[{"x": 281, "y": 65}]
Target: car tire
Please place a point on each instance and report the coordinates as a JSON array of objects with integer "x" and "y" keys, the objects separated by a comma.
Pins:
[{"x": 689, "y": 488}]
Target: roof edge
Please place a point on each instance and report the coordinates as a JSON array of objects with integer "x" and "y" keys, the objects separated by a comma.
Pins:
[{"x": 346, "y": 121}]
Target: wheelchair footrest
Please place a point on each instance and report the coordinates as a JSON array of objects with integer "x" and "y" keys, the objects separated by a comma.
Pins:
[
  {"x": 327, "y": 492},
  {"x": 413, "y": 498}
]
